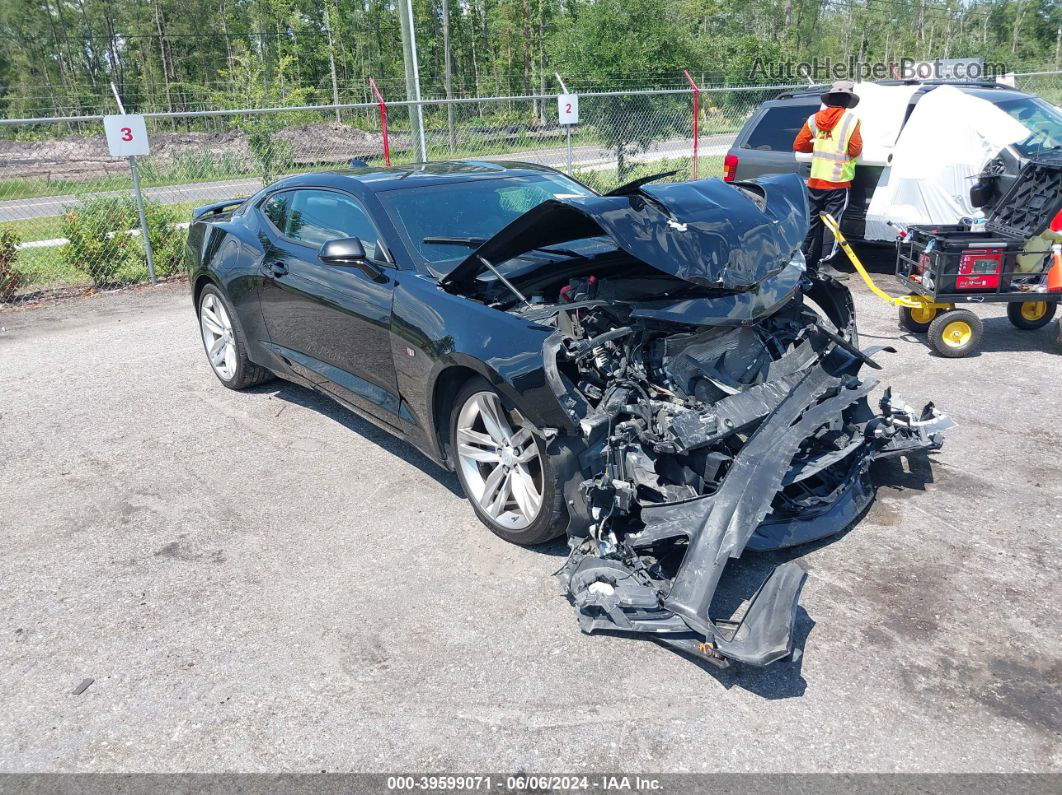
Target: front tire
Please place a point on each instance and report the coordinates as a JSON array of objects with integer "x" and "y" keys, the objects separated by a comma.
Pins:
[
  {"x": 225, "y": 343},
  {"x": 956, "y": 333},
  {"x": 503, "y": 467}
]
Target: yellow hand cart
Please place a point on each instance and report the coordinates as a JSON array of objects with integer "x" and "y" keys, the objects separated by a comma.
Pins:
[{"x": 942, "y": 266}]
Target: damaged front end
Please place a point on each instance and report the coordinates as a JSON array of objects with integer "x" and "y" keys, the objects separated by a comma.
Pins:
[
  {"x": 706, "y": 443},
  {"x": 715, "y": 405}
]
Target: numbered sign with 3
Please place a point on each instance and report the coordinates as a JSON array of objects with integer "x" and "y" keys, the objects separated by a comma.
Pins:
[
  {"x": 568, "y": 108},
  {"x": 126, "y": 135}
]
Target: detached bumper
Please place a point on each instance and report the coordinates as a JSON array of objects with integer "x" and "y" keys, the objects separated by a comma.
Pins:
[{"x": 627, "y": 586}]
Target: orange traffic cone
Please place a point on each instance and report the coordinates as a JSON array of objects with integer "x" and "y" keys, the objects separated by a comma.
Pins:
[{"x": 1054, "y": 276}]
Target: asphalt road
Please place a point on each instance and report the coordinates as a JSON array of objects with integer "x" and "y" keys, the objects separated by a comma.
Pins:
[
  {"x": 584, "y": 157},
  {"x": 261, "y": 581}
]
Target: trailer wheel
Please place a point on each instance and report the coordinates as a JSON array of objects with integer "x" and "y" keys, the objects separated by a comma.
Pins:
[
  {"x": 1031, "y": 315},
  {"x": 917, "y": 320},
  {"x": 956, "y": 333}
]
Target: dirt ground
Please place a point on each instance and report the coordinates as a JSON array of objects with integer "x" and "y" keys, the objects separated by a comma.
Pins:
[{"x": 81, "y": 157}]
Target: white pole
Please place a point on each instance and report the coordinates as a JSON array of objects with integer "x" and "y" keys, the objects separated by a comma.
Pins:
[
  {"x": 567, "y": 127},
  {"x": 416, "y": 81}
]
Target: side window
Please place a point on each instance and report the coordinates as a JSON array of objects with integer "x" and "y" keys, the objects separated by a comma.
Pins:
[
  {"x": 779, "y": 127},
  {"x": 273, "y": 209},
  {"x": 317, "y": 216}
]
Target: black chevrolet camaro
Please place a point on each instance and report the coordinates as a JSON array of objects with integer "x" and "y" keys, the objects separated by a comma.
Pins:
[{"x": 652, "y": 371}]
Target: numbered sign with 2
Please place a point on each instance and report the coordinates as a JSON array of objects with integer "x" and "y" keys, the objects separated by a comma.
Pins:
[
  {"x": 568, "y": 108},
  {"x": 126, "y": 135}
]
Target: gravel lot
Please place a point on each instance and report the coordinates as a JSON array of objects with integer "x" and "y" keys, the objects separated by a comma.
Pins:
[{"x": 264, "y": 582}]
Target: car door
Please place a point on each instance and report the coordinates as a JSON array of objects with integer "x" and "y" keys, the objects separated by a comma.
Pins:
[{"x": 331, "y": 323}]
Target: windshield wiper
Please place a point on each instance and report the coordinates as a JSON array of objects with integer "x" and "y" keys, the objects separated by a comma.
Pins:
[
  {"x": 471, "y": 242},
  {"x": 476, "y": 242}
]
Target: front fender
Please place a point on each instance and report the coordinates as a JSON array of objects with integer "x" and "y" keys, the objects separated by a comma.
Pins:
[{"x": 434, "y": 331}]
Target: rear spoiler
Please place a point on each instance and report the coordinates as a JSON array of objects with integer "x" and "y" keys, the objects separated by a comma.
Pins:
[{"x": 215, "y": 208}]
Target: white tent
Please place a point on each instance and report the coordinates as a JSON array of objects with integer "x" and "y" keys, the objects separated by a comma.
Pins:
[
  {"x": 945, "y": 144},
  {"x": 881, "y": 111}
]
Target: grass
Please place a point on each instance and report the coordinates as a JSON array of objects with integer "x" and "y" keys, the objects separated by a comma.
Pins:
[
  {"x": 45, "y": 268},
  {"x": 41, "y": 268},
  {"x": 50, "y": 227},
  {"x": 30, "y": 229}
]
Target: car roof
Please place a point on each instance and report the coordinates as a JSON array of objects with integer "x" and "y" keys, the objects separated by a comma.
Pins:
[
  {"x": 985, "y": 89},
  {"x": 380, "y": 178}
]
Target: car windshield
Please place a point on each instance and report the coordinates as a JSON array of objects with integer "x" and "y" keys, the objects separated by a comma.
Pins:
[
  {"x": 469, "y": 211},
  {"x": 1041, "y": 118}
]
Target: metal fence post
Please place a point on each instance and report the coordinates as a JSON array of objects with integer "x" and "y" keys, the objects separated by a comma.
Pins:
[
  {"x": 567, "y": 127},
  {"x": 139, "y": 198},
  {"x": 383, "y": 121},
  {"x": 696, "y": 120},
  {"x": 143, "y": 219}
]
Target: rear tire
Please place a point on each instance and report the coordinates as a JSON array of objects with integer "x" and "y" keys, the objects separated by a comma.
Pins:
[
  {"x": 225, "y": 343},
  {"x": 504, "y": 470},
  {"x": 956, "y": 333},
  {"x": 1031, "y": 315}
]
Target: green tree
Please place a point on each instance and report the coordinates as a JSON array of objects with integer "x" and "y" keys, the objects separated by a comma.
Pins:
[{"x": 605, "y": 43}]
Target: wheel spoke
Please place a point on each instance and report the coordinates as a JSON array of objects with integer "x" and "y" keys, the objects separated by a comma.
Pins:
[
  {"x": 471, "y": 437},
  {"x": 477, "y": 446},
  {"x": 501, "y": 499},
  {"x": 526, "y": 449},
  {"x": 493, "y": 419},
  {"x": 524, "y": 492},
  {"x": 478, "y": 454},
  {"x": 211, "y": 322},
  {"x": 230, "y": 359},
  {"x": 495, "y": 489},
  {"x": 217, "y": 348}
]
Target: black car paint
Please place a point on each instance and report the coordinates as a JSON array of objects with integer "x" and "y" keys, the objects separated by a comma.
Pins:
[{"x": 418, "y": 331}]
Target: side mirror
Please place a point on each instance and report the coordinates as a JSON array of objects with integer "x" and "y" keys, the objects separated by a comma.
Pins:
[{"x": 345, "y": 251}]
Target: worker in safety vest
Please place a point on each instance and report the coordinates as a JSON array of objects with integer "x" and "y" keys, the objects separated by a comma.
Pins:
[{"x": 833, "y": 137}]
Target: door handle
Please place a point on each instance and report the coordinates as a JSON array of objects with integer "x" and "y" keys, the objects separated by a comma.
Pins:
[{"x": 277, "y": 268}]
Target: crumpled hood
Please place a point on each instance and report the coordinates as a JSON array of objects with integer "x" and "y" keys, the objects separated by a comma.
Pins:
[{"x": 707, "y": 232}]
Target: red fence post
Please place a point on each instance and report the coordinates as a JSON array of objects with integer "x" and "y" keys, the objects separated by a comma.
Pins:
[
  {"x": 383, "y": 121},
  {"x": 696, "y": 119}
]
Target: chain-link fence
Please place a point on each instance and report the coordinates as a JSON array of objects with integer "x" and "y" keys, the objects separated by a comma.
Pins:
[
  {"x": 68, "y": 218},
  {"x": 1044, "y": 84}
]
